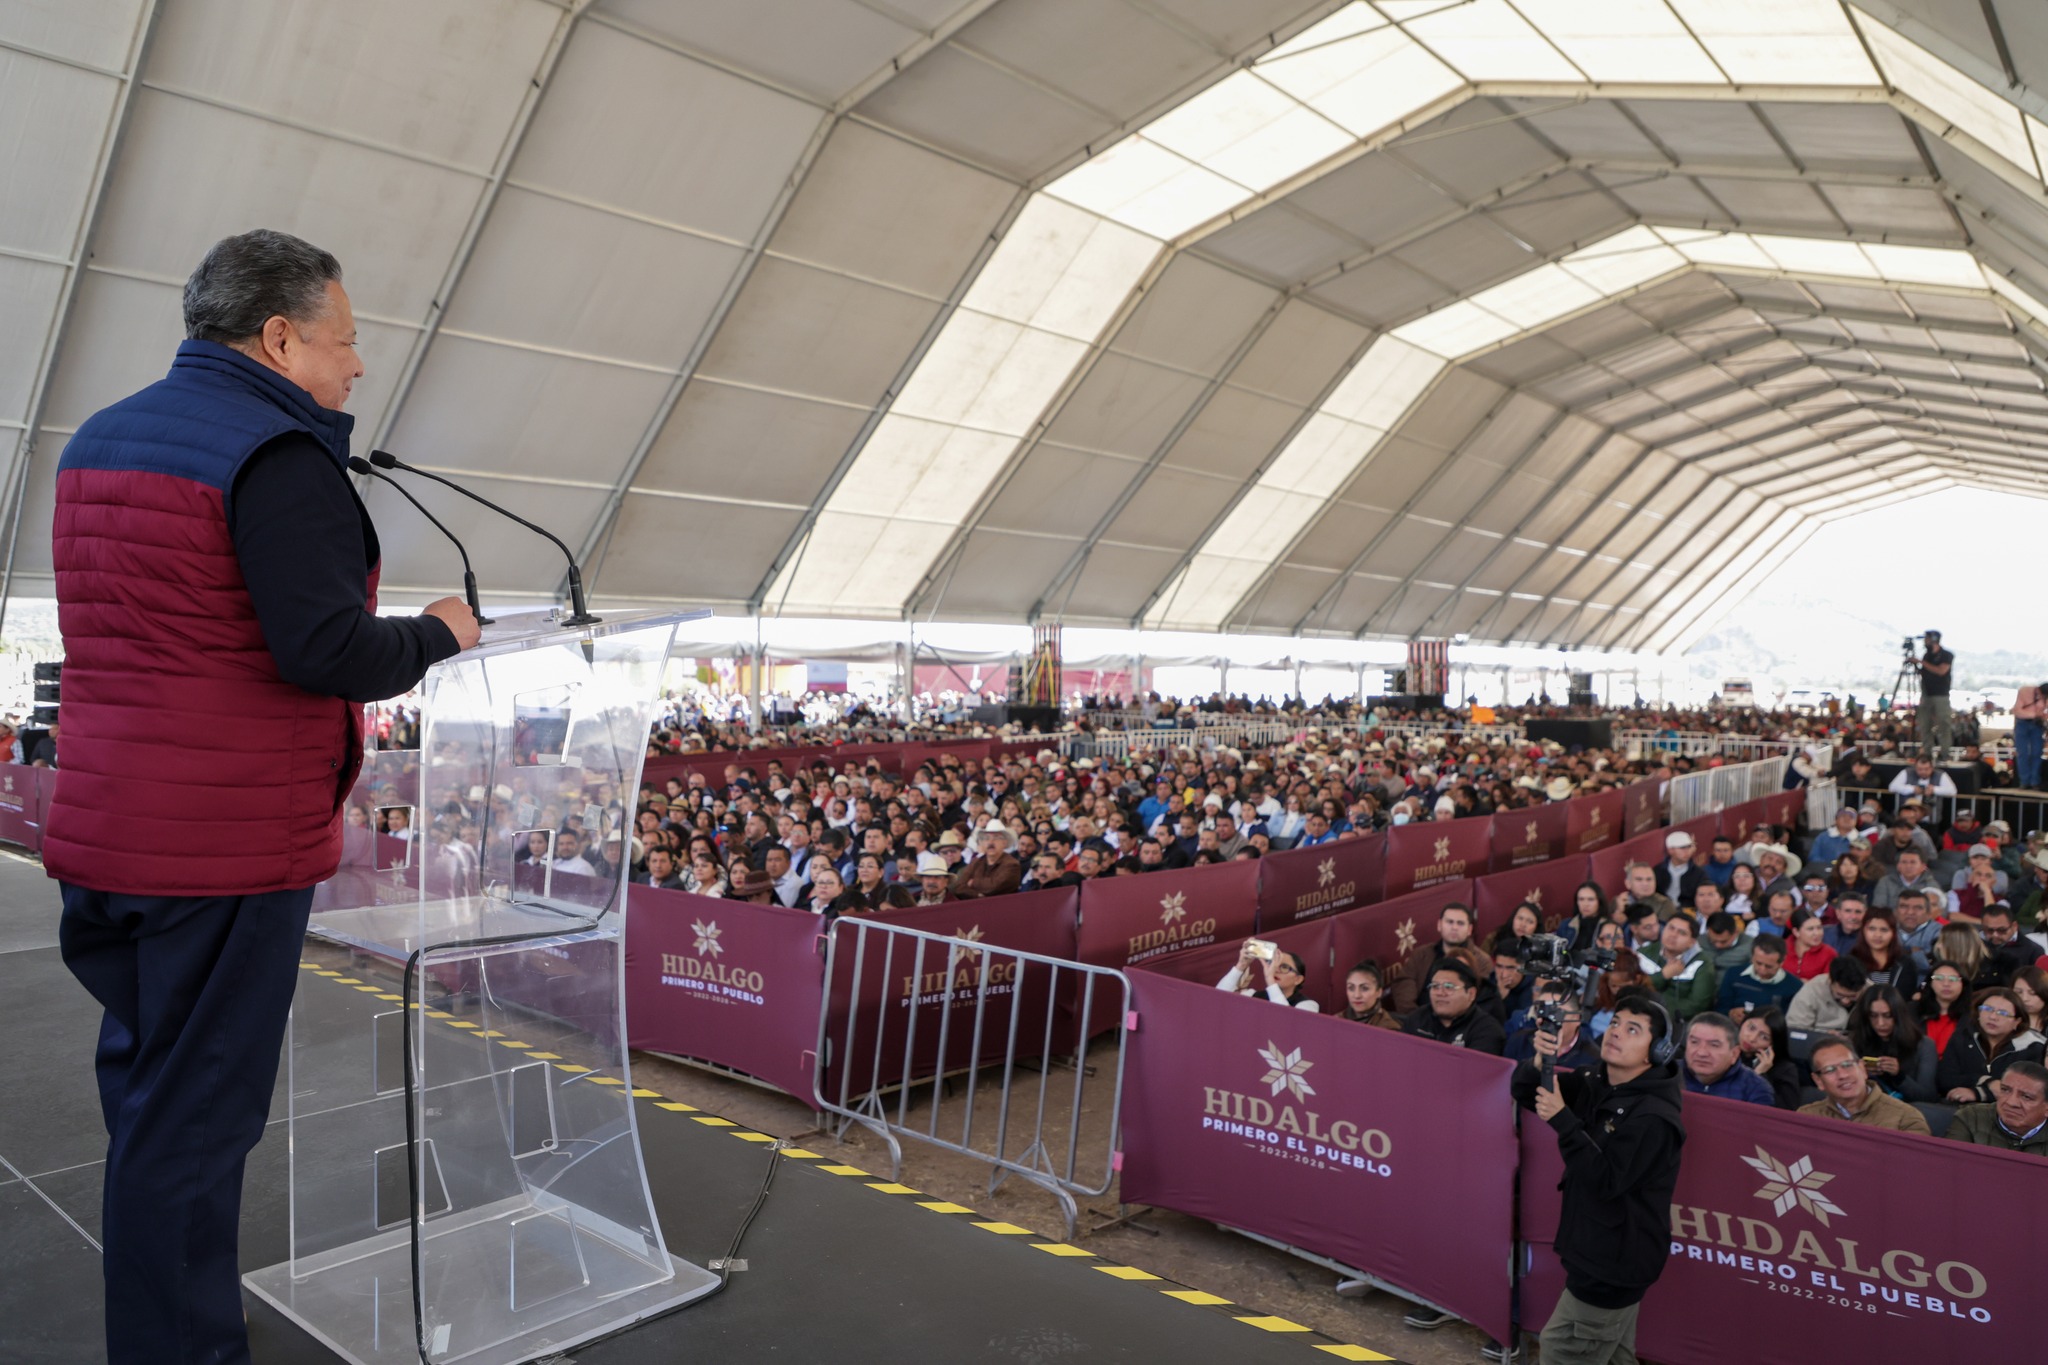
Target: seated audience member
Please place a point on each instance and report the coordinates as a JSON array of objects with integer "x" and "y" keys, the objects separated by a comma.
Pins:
[
  {"x": 1885, "y": 960},
  {"x": 1645, "y": 930},
  {"x": 1454, "y": 940},
  {"x": 872, "y": 892},
  {"x": 1365, "y": 997},
  {"x": 1680, "y": 874},
  {"x": 1847, "y": 1093},
  {"x": 1813, "y": 894},
  {"x": 1590, "y": 910},
  {"x": 704, "y": 877},
  {"x": 1575, "y": 1048},
  {"x": 1853, "y": 874},
  {"x": 1283, "y": 976},
  {"x": 1842, "y": 934},
  {"x": 996, "y": 872},
  {"x": 2012, "y": 952},
  {"x": 1923, "y": 780},
  {"x": 1626, "y": 974},
  {"x": 1453, "y": 1014},
  {"x": 1807, "y": 954},
  {"x": 1919, "y": 929},
  {"x": 661, "y": 870},
  {"x": 1767, "y": 1050},
  {"x": 1944, "y": 1004},
  {"x": 1046, "y": 872},
  {"x": 1725, "y": 945},
  {"x": 1777, "y": 914},
  {"x": 1776, "y": 866},
  {"x": 1823, "y": 1004},
  {"x": 1976, "y": 897},
  {"x": 1511, "y": 981},
  {"x": 2030, "y": 988},
  {"x": 1763, "y": 984},
  {"x": 824, "y": 894},
  {"x": 1713, "y": 1062},
  {"x": 1720, "y": 864},
  {"x": 1978, "y": 854},
  {"x": 934, "y": 880},
  {"x": 1681, "y": 973},
  {"x": 1964, "y": 948},
  {"x": 1900, "y": 834},
  {"x": 1745, "y": 893},
  {"x": 751, "y": 883},
  {"x": 1832, "y": 843},
  {"x": 2016, "y": 1121},
  {"x": 1641, "y": 889},
  {"x": 1910, "y": 874},
  {"x": 1899, "y": 1056},
  {"x": 1525, "y": 922},
  {"x": 1978, "y": 1054},
  {"x": 787, "y": 883}
]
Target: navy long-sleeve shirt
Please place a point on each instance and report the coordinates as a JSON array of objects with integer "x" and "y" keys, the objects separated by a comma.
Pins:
[{"x": 306, "y": 544}]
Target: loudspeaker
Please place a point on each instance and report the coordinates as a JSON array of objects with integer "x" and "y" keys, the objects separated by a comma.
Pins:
[{"x": 1597, "y": 733}]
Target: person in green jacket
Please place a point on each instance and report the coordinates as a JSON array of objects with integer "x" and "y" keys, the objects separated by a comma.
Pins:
[
  {"x": 1683, "y": 975},
  {"x": 2017, "y": 1121}
]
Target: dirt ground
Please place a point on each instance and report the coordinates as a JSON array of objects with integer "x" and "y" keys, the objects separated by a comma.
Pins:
[{"x": 1181, "y": 1248}]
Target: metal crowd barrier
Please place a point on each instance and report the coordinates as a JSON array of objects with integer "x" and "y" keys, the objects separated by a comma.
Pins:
[
  {"x": 1691, "y": 795},
  {"x": 872, "y": 1065}
]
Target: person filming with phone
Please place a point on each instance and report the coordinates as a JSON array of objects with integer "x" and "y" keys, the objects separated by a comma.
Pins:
[
  {"x": 1620, "y": 1132},
  {"x": 1283, "y": 973}
]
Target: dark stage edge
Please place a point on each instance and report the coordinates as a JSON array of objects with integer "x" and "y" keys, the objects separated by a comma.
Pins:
[{"x": 840, "y": 1270}]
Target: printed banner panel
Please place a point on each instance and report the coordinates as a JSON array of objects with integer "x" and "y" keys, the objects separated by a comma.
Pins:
[
  {"x": 1522, "y": 838},
  {"x": 1595, "y": 822},
  {"x": 1435, "y": 852},
  {"x": 1313, "y": 883},
  {"x": 1261, "y": 1118}
]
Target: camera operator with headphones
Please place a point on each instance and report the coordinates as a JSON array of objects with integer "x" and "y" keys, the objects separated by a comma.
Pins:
[{"x": 1619, "y": 1132}]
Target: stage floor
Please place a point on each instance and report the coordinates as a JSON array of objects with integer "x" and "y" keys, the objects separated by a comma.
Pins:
[{"x": 843, "y": 1266}]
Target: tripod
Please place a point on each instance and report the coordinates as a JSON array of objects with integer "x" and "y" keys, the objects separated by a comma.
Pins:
[{"x": 1906, "y": 687}]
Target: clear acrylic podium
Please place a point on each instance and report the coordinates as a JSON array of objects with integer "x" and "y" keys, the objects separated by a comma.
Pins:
[{"x": 466, "y": 1176}]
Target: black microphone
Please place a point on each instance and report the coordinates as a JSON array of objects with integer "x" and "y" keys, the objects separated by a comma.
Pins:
[
  {"x": 362, "y": 466},
  {"x": 579, "y": 610}
]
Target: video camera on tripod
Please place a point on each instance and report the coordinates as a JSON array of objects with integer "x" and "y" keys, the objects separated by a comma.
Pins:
[{"x": 1549, "y": 957}]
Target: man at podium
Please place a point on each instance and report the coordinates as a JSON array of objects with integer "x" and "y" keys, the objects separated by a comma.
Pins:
[{"x": 216, "y": 577}]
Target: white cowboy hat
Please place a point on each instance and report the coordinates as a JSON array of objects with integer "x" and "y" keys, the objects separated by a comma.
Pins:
[
  {"x": 1754, "y": 852},
  {"x": 932, "y": 865},
  {"x": 997, "y": 827},
  {"x": 1559, "y": 789}
]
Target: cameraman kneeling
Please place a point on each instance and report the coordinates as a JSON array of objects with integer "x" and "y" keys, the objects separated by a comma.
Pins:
[{"x": 1619, "y": 1132}]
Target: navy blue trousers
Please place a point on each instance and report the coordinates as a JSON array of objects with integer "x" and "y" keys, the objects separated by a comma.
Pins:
[{"x": 196, "y": 990}]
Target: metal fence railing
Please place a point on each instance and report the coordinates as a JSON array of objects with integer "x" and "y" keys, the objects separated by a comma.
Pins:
[
  {"x": 1716, "y": 789},
  {"x": 955, "y": 1043}
]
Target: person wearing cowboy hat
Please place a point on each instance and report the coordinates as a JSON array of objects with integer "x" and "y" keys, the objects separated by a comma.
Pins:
[
  {"x": 934, "y": 879},
  {"x": 1559, "y": 788},
  {"x": 1776, "y": 867},
  {"x": 996, "y": 872},
  {"x": 753, "y": 884}
]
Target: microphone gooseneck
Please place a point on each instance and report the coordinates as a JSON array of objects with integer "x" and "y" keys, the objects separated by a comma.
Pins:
[
  {"x": 579, "y": 610},
  {"x": 361, "y": 466}
]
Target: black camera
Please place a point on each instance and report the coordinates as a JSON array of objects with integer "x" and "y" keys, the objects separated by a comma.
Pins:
[{"x": 1909, "y": 647}]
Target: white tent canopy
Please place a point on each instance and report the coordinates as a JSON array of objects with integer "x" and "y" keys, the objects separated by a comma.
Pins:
[{"x": 1530, "y": 320}]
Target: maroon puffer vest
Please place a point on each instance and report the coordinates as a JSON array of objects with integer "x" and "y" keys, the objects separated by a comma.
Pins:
[{"x": 189, "y": 767}]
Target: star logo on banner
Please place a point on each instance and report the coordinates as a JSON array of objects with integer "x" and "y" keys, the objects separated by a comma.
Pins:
[
  {"x": 1798, "y": 1184},
  {"x": 962, "y": 954},
  {"x": 1530, "y": 834},
  {"x": 1326, "y": 871},
  {"x": 707, "y": 939},
  {"x": 1443, "y": 849},
  {"x": 1286, "y": 1071},
  {"x": 1404, "y": 937},
  {"x": 1173, "y": 907}
]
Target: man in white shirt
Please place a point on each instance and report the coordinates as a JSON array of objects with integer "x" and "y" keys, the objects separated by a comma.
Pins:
[
  {"x": 569, "y": 854},
  {"x": 1923, "y": 780}
]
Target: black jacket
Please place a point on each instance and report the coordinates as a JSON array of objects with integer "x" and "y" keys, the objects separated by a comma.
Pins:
[
  {"x": 1962, "y": 1062},
  {"x": 1620, "y": 1146},
  {"x": 1475, "y": 1029}
]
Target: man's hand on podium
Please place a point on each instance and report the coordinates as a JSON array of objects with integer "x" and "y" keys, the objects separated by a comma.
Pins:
[{"x": 460, "y": 620}]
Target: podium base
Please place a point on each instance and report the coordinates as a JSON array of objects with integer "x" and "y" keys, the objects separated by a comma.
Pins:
[{"x": 506, "y": 1273}]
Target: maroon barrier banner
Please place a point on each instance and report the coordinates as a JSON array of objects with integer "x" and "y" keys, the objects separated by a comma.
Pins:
[
  {"x": 1796, "y": 1238},
  {"x": 1438, "y": 851},
  {"x": 1389, "y": 931},
  {"x": 1785, "y": 808},
  {"x": 1550, "y": 885},
  {"x": 1311, "y": 883},
  {"x": 939, "y": 990},
  {"x": 1640, "y": 808},
  {"x": 726, "y": 981},
  {"x": 22, "y": 804},
  {"x": 1606, "y": 866},
  {"x": 1252, "y": 1116},
  {"x": 1594, "y": 822},
  {"x": 1740, "y": 822},
  {"x": 1523, "y": 838},
  {"x": 1128, "y": 920}
]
